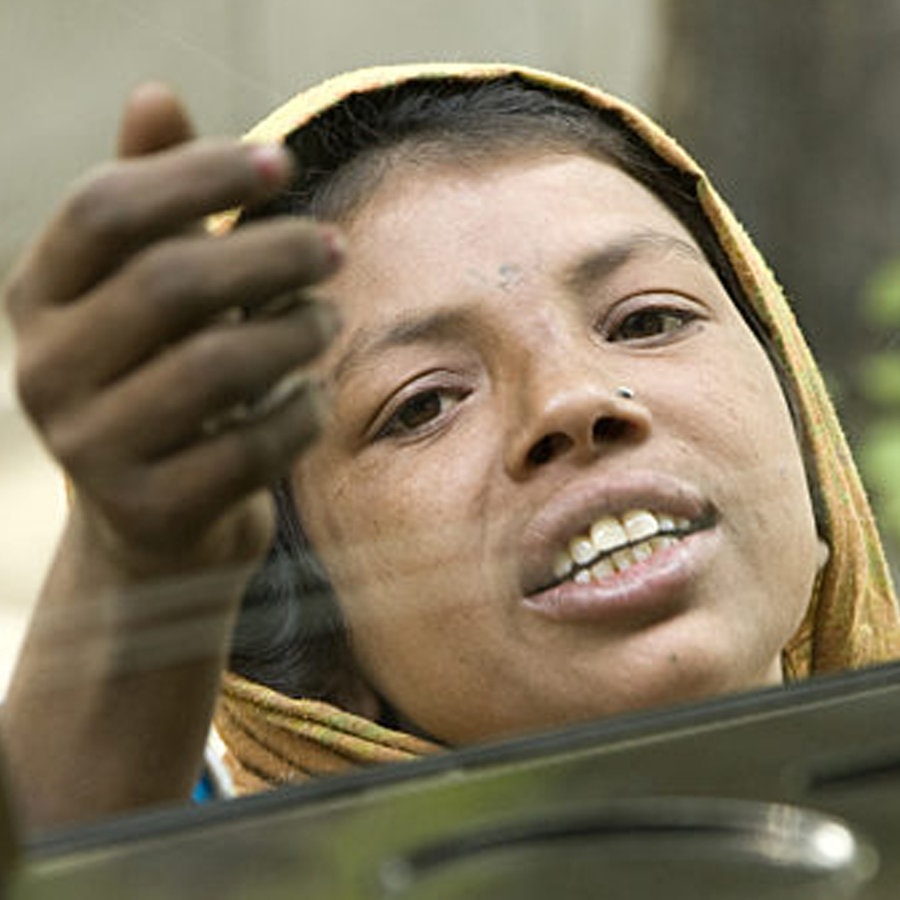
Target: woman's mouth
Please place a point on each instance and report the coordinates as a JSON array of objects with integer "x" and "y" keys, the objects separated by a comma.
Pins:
[
  {"x": 629, "y": 545},
  {"x": 628, "y": 569},
  {"x": 614, "y": 544}
]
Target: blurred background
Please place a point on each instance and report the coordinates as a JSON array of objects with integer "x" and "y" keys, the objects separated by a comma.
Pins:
[{"x": 793, "y": 107}]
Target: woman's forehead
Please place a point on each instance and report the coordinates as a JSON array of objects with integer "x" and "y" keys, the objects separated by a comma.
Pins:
[
  {"x": 448, "y": 250},
  {"x": 567, "y": 213}
]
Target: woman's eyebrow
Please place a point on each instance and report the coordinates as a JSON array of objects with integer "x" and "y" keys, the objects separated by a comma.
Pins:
[
  {"x": 366, "y": 344},
  {"x": 600, "y": 264},
  {"x": 447, "y": 324}
]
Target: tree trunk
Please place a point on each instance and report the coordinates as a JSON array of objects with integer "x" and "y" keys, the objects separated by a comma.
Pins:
[{"x": 794, "y": 107}]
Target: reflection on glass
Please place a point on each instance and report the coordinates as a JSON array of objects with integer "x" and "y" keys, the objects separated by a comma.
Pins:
[{"x": 482, "y": 417}]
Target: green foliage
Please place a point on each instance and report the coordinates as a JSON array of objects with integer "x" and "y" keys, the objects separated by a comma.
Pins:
[
  {"x": 879, "y": 377},
  {"x": 881, "y": 299},
  {"x": 879, "y": 382},
  {"x": 880, "y": 461}
]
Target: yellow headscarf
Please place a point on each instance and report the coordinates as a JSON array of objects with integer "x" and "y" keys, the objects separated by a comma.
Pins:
[{"x": 852, "y": 619}]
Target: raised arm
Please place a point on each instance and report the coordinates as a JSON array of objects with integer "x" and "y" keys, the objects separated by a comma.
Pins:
[{"x": 142, "y": 378}]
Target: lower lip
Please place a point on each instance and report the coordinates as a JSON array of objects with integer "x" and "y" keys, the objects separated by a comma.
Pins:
[{"x": 647, "y": 591}]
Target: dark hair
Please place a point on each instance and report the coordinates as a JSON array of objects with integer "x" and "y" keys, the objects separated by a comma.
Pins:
[{"x": 290, "y": 635}]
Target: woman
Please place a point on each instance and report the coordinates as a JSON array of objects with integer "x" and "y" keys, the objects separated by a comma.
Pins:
[{"x": 576, "y": 459}]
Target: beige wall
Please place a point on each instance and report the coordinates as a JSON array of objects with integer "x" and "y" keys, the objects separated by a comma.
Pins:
[{"x": 65, "y": 66}]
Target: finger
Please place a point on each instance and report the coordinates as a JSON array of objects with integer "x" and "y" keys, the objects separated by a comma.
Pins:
[
  {"x": 218, "y": 376},
  {"x": 223, "y": 378},
  {"x": 127, "y": 205},
  {"x": 229, "y": 466},
  {"x": 162, "y": 297},
  {"x": 153, "y": 120},
  {"x": 176, "y": 500},
  {"x": 178, "y": 287}
]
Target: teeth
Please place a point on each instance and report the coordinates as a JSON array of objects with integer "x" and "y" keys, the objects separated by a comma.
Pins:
[
  {"x": 602, "y": 568},
  {"x": 640, "y": 524},
  {"x": 606, "y": 534},
  {"x": 622, "y": 560},
  {"x": 660, "y": 543},
  {"x": 620, "y": 542},
  {"x": 582, "y": 550},
  {"x": 666, "y": 523},
  {"x": 642, "y": 551},
  {"x": 563, "y": 564}
]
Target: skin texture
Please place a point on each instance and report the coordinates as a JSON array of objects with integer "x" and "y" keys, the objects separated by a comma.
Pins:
[{"x": 490, "y": 315}]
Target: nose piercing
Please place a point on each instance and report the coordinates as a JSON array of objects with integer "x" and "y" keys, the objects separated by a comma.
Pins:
[{"x": 626, "y": 393}]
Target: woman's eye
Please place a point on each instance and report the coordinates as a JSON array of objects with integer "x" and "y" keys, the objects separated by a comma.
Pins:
[
  {"x": 652, "y": 322},
  {"x": 417, "y": 412}
]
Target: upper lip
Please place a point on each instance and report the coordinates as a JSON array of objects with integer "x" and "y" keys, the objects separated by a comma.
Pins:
[{"x": 577, "y": 505}]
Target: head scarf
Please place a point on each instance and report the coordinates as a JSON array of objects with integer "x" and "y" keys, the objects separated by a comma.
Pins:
[{"x": 852, "y": 620}]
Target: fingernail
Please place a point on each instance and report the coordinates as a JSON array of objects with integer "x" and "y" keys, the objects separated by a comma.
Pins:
[
  {"x": 272, "y": 162},
  {"x": 286, "y": 389},
  {"x": 334, "y": 244}
]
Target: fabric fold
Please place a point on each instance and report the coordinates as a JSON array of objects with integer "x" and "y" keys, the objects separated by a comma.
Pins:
[{"x": 268, "y": 739}]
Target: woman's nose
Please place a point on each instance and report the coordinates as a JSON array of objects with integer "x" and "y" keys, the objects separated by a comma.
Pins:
[{"x": 576, "y": 417}]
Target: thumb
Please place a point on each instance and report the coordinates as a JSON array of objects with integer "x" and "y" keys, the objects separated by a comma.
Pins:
[{"x": 153, "y": 120}]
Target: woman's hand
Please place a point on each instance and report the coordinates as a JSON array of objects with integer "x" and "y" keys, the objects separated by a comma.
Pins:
[
  {"x": 132, "y": 355},
  {"x": 157, "y": 395}
]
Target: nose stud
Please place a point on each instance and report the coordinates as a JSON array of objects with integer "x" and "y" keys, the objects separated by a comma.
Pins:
[{"x": 626, "y": 393}]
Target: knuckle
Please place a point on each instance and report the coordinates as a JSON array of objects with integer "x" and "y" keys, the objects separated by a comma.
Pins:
[
  {"x": 164, "y": 277},
  {"x": 39, "y": 383},
  {"x": 214, "y": 367},
  {"x": 100, "y": 207},
  {"x": 69, "y": 444}
]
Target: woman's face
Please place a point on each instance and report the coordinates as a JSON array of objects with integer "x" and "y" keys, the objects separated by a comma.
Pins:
[{"x": 515, "y": 541}]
